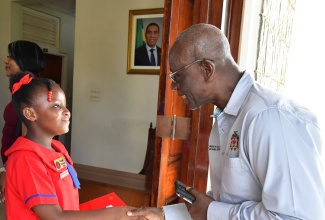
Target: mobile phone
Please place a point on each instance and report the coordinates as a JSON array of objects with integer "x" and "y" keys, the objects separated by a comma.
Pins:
[{"x": 182, "y": 193}]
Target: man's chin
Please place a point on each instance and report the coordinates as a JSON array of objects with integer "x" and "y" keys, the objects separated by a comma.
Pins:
[{"x": 193, "y": 107}]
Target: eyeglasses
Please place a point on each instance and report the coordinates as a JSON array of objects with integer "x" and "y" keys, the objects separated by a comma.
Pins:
[{"x": 173, "y": 75}]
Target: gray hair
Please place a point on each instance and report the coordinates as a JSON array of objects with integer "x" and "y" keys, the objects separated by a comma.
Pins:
[{"x": 204, "y": 41}]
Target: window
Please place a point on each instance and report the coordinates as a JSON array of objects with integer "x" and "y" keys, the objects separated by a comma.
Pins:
[{"x": 274, "y": 43}]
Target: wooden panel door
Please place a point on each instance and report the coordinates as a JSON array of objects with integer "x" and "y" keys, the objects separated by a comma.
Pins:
[
  {"x": 186, "y": 160},
  {"x": 53, "y": 67}
]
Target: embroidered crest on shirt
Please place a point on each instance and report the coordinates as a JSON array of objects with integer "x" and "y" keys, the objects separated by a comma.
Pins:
[
  {"x": 234, "y": 141},
  {"x": 60, "y": 163}
]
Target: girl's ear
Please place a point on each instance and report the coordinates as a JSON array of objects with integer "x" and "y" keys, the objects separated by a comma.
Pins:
[{"x": 29, "y": 114}]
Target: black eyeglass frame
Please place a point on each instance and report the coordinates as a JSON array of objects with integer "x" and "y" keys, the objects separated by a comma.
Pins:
[{"x": 172, "y": 75}]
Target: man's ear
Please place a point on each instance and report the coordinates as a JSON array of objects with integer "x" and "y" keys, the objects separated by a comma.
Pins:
[
  {"x": 208, "y": 66},
  {"x": 29, "y": 114}
]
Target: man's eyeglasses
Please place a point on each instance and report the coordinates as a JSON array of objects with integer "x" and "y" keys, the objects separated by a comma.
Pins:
[{"x": 173, "y": 75}]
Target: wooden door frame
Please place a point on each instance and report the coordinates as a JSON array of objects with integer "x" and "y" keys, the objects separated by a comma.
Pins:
[{"x": 187, "y": 160}]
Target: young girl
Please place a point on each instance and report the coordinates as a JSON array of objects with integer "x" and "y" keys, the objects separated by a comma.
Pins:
[{"x": 41, "y": 182}]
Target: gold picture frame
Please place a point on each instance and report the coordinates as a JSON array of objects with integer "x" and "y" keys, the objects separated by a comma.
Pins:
[{"x": 142, "y": 17}]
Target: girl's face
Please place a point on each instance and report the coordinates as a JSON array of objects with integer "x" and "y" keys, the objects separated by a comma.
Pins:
[
  {"x": 11, "y": 66},
  {"x": 52, "y": 118}
]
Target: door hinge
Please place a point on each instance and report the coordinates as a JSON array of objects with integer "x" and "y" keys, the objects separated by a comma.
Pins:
[{"x": 173, "y": 127}]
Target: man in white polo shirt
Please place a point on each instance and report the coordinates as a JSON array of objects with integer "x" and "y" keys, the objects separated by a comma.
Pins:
[{"x": 264, "y": 149}]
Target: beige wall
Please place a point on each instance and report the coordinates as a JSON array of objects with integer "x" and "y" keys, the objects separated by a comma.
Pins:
[
  {"x": 10, "y": 30},
  {"x": 111, "y": 133},
  {"x": 5, "y": 14}
]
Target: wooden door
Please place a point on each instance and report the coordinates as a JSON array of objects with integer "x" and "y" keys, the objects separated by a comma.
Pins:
[
  {"x": 53, "y": 68},
  {"x": 186, "y": 160}
]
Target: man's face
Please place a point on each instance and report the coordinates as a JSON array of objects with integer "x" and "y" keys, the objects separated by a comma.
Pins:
[
  {"x": 189, "y": 82},
  {"x": 152, "y": 35}
]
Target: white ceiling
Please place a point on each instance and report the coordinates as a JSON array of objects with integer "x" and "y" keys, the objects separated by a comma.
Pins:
[{"x": 64, "y": 6}]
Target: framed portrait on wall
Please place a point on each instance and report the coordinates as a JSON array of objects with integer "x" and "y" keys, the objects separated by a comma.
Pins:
[{"x": 144, "y": 41}]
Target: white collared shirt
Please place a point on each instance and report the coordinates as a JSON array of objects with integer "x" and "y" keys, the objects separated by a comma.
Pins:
[
  {"x": 154, "y": 53},
  {"x": 276, "y": 172}
]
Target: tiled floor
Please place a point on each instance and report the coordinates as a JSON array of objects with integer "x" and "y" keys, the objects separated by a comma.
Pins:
[{"x": 2, "y": 212}]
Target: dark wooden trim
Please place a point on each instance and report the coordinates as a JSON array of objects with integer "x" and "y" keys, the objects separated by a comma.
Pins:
[
  {"x": 234, "y": 23},
  {"x": 195, "y": 165},
  {"x": 161, "y": 99}
]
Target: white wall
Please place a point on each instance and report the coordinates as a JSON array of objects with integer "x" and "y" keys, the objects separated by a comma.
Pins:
[{"x": 111, "y": 133}]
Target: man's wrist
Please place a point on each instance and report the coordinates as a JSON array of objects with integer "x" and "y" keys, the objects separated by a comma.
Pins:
[
  {"x": 163, "y": 214},
  {"x": 2, "y": 169}
]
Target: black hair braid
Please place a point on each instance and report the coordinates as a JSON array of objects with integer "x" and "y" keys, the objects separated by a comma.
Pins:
[
  {"x": 49, "y": 87},
  {"x": 49, "y": 84}
]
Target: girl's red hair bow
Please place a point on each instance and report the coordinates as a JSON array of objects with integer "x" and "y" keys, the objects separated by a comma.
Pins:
[{"x": 23, "y": 81}]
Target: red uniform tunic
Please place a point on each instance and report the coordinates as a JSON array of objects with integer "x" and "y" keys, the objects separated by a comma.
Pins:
[{"x": 36, "y": 175}]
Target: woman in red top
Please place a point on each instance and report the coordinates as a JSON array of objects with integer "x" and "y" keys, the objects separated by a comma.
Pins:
[{"x": 22, "y": 56}]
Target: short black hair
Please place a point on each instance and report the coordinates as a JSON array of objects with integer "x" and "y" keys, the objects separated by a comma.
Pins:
[
  {"x": 28, "y": 56},
  {"x": 28, "y": 93},
  {"x": 152, "y": 24}
]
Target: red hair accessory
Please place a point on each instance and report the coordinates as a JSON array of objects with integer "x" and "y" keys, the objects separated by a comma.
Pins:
[
  {"x": 23, "y": 81},
  {"x": 49, "y": 96}
]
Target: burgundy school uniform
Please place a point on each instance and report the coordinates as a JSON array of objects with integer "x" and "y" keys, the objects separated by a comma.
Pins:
[
  {"x": 9, "y": 131},
  {"x": 36, "y": 175}
]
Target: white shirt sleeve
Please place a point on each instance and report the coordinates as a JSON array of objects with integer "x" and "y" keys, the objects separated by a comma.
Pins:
[
  {"x": 218, "y": 210},
  {"x": 176, "y": 212}
]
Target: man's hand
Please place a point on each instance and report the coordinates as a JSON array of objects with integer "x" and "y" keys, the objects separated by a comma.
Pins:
[
  {"x": 198, "y": 210},
  {"x": 148, "y": 213}
]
